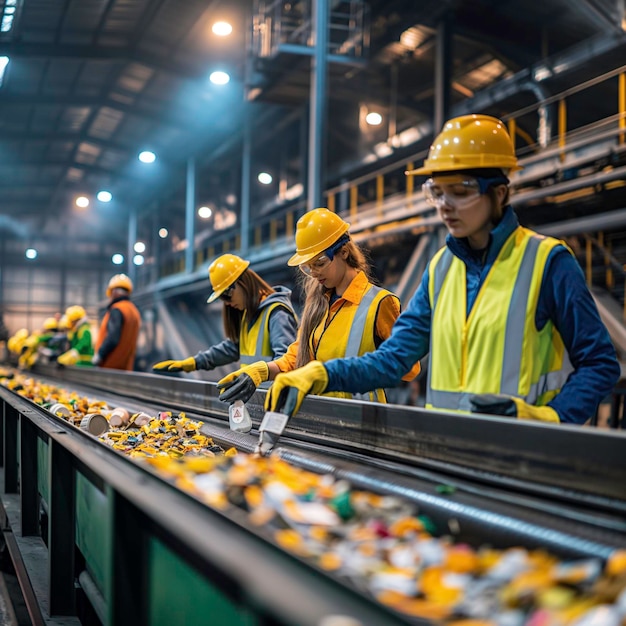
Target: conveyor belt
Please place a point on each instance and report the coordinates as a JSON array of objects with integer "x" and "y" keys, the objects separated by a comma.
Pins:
[
  {"x": 475, "y": 511},
  {"x": 591, "y": 527}
]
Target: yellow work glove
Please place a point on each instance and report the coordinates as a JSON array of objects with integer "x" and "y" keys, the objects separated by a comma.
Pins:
[
  {"x": 493, "y": 404},
  {"x": 69, "y": 358},
  {"x": 310, "y": 379},
  {"x": 186, "y": 365},
  {"x": 242, "y": 383}
]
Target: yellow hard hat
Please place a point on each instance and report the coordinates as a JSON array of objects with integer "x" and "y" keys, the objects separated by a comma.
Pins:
[
  {"x": 471, "y": 142},
  {"x": 120, "y": 281},
  {"x": 74, "y": 314},
  {"x": 316, "y": 231},
  {"x": 50, "y": 323},
  {"x": 223, "y": 272}
]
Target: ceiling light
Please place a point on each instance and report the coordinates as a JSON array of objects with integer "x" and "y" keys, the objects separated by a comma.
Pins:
[
  {"x": 139, "y": 247},
  {"x": 231, "y": 198},
  {"x": 219, "y": 78},
  {"x": 147, "y": 156},
  {"x": 31, "y": 253},
  {"x": 205, "y": 212},
  {"x": 82, "y": 202},
  {"x": 163, "y": 233},
  {"x": 138, "y": 259},
  {"x": 373, "y": 118},
  {"x": 117, "y": 259},
  {"x": 222, "y": 29},
  {"x": 264, "y": 178},
  {"x": 104, "y": 196}
]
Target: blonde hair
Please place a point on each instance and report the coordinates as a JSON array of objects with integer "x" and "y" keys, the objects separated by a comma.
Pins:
[
  {"x": 255, "y": 289},
  {"x": 316, "y": 303}
]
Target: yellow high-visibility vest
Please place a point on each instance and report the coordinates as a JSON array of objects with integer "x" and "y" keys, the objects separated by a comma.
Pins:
[
  {"x": 350, "y": 333},
  {"x": 497, "y": 348},
  {"x": 254, "y": 342}
]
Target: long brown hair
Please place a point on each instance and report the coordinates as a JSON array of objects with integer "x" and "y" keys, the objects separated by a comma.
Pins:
[
  {"x": 255, "y": 289},
  {"x": 316, "y": 303}
]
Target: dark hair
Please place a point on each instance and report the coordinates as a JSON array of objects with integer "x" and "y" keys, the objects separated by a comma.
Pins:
[{"x": 255, "y": 289}]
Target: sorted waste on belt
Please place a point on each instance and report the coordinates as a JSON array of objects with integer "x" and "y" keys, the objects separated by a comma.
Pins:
[
  {"x": 381, "y": 544},
  {"x": 134, "y": 434}
]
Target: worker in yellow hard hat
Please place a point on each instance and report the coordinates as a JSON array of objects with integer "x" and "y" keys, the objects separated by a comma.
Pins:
[
  {"x": 505, "y": 313},
  {"x": 345, "y": 314},
  {"x": 259, "y": 320},
  {"x": 119, "y": 330},
  {"x": 79, "y": 334}
]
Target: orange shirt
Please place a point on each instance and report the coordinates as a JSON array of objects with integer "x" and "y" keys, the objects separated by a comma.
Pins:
[{"x": 386, "y": 316}]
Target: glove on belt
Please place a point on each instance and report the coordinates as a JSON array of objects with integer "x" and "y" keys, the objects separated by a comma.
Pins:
[
  {"x": 312, "y": 378},
  {"x": 242, "y": 383},
  {"x": 494, "y": 404}
]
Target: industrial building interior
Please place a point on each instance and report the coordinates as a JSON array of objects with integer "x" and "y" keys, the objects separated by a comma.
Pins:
[{"x": 137, "y": 136}]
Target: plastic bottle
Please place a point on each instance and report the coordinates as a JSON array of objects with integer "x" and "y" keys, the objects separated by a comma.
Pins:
[{"x": 239, "y": 418}]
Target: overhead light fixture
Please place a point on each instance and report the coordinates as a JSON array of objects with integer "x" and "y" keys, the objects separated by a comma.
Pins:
[
  {"x": 205, "y": 212},
  {"x": 104, "y": 196},
  {"x": 147, "y": 156},
  {"x": 138, "y": 259},
  {"x": 82, "y": 202},
  {"x": 374, "y": 119},
  {"x": 163, "y": 233},
  {"x": 219, "y": 78},
  {"x": 222, "y": 29},
  {"x": 117, "y": 259},
  {"x": 31, "y": 253},
  {"x": 139, "y": 247},
  {"x": 264, "y": 178}
]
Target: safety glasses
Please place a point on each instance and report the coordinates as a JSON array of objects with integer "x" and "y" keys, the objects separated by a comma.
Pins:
[
  {"x": 227, "y": 295},
  {"x": 320, "y": 263},
  {"x": 457, "y": 191}
]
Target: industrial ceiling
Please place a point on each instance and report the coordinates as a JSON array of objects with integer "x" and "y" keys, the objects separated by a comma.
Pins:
[{"x": 89, "y": 84}]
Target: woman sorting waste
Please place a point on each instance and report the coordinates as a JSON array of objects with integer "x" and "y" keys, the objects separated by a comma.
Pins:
[{"x": 504, "y": 312}]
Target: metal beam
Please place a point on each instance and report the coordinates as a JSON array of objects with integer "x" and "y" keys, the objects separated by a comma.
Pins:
[
  {"x": 89, "y": 52},
  {"x": 25, "y": 136},
  {"x": 165, "y": 117}
]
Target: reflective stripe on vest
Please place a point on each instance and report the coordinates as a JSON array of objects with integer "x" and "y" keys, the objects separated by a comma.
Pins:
[
  {"x": 534, "y": 364},
  {"x": 360, "y": 338},
  {"x": 258, "y": 336}
]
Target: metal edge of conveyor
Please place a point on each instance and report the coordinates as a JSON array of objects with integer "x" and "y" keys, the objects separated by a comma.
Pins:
[
  {"x": 292, "y": 589},
  {"x": 505, "y": 527},
  {"x": 572, "y": 461}
]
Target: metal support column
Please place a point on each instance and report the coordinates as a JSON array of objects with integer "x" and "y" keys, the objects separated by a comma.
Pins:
[
  {"x": 29, "y": 498},
  {"x": 132, "y": 238},
  {"x": 246, "y": 159},
  {"x": 190, "y": 214},
  {"x": 443, "y": 73},
  {"x": 10, "y": 420},
  {"x": 318, "y": 104},
  {"x": 61, "y": 517},
  {"x": 156, "y": 245}
]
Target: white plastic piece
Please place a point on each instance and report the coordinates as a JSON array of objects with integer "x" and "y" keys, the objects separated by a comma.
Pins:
[{"x": 239, "y": 418}]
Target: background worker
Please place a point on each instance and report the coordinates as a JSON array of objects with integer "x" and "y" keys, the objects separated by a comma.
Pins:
[
  {"x": 117, "y": 338},
  {"x": 259, "y": 320},
  {"x": 345, "y": 314},
  {"x": 79, "y": 335},
  {"x": 504, "y": 312},
  {"x": 37, "y": 342}
]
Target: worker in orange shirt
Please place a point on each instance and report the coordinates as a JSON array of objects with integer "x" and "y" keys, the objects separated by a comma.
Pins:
[
  {"x": 119, "y": 330},
  {"x": 345, "y": 314}
]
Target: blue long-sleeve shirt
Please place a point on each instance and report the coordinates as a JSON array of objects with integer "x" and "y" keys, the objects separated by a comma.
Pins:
[{"x": 564, "y": 299}]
